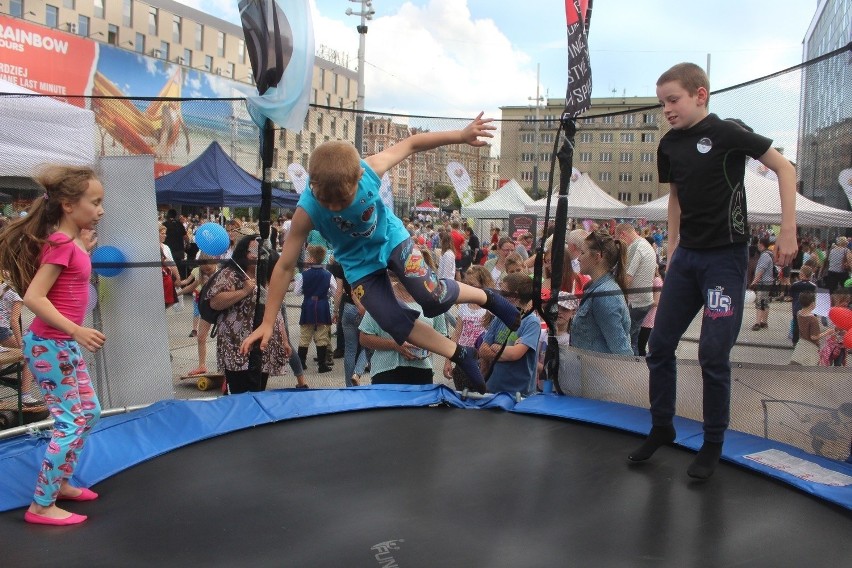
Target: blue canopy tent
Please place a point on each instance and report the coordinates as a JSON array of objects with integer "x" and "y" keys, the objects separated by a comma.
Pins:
[{"x": 213, "y": 179}]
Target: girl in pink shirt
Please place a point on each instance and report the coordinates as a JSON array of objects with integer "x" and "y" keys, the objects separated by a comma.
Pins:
[{"x": 47, "y": 259}]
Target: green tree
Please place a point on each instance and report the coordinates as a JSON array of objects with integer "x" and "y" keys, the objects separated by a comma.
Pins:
[{"x": 442, "y": 191}]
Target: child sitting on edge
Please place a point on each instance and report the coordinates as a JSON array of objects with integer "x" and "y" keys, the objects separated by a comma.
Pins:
[{"x": 344, "y": 205}]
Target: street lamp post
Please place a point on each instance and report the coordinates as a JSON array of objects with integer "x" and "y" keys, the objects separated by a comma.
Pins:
[
  {"x": 366, "y": 13},
  {"x": 538, "y": 99}
]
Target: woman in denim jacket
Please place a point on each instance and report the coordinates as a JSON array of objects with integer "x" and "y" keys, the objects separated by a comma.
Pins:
[{"x": 602, "y": 322}]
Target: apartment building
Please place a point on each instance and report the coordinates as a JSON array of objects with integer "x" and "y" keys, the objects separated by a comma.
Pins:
[{"x": 616, "y": 144}]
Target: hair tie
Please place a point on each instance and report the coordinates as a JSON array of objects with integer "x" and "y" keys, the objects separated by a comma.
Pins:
[{"x": 46, "y": 196}]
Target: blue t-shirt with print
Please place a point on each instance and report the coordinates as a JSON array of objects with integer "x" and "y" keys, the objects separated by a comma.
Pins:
[
  {"x": 515, "y": 376},
  {"x": 362, "y": 235}
]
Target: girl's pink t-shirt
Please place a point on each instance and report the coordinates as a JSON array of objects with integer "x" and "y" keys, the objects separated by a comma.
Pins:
[{"x": 70, "y": 293}]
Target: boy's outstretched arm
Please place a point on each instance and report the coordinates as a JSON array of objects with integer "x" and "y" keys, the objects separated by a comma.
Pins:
[
  {"x": 470, "y": 134},
  {"x": 785, "y": 244},
  {"x": 280, "y": 280}
]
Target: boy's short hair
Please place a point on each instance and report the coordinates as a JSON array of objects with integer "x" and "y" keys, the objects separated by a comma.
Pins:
[
  {"x": 690, "y": 76},
  {"x": 805, "y": 272},
  {"x": 317, "y": 252},
  {"x": 334, "y": 166},
  {"x": 519, "y": 285},
  {"x": 806, "y": 298}
]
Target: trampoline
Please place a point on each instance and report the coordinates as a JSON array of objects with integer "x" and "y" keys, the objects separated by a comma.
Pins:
[{"x": 412, "y": 476}]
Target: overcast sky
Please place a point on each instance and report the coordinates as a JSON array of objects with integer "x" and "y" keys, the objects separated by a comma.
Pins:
[{"x": 455, "y": 57}]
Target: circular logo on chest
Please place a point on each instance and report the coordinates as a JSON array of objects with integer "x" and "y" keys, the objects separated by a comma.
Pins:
[{"x": 704, "y": 145}]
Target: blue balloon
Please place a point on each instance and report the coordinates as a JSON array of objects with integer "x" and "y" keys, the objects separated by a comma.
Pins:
[
  {"x": 110, "y": 256},
  {"x": 212, "y": 239}
]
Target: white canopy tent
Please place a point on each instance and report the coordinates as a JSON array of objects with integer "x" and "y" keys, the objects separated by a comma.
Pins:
[
  {"x": 41, "y": 130},
  {"x": 511, "y": 198},
  {"x": 585, "y": 200},
  {"x": 764, "y": 206}
]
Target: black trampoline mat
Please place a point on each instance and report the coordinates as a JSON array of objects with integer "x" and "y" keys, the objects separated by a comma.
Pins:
[{"x": 446, "y": 488}]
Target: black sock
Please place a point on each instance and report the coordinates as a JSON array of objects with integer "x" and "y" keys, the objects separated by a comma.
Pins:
[
  {"x": 659, "y": 436},
  {"x": 458, "y": 355},
  {"x": 705, "y": 462}
]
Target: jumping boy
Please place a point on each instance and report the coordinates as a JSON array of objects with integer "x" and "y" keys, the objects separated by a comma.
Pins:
[
  {"x": 344, "y": 205},
  {"x": 703, "y": 158}
]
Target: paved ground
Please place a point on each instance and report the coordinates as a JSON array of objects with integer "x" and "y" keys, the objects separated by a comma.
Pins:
[{"x": 768, "y": 345}]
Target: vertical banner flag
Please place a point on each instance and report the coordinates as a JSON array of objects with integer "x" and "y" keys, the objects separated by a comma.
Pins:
[
  {"x": 461, "y": 182},
  {"x": 298, "y": 177},
  {"x": 579, "y": 95},
  {"x": 385, "y": 191},
  {"x": 845, "y": 181},
  {"x": 280, "y": 44}
]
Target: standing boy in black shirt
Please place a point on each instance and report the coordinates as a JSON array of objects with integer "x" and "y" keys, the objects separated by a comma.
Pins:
[{"x": 703, "y": 158}]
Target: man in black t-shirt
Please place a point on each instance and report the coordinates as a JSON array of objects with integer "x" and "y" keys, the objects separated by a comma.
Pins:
[
  {"x": 176, "y": 240},
  {"x": 703, "y": 158}
]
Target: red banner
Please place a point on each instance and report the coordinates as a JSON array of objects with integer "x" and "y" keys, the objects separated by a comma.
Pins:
[{"x": 46, "y": 60}]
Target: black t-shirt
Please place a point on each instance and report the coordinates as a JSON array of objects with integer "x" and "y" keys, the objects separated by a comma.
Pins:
[
  {"x": 337, "y": 271},
  {"x": 175, "y": 233},
  {"x": 707, "y": 165}
]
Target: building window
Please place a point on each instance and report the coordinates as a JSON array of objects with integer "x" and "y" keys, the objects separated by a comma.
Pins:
[
  {"x": 624, "y": 196},
  {"x": 241, "y": 50},
  {"x": 604, "y": 176},
  {"x": 625, "y": 176},
  {"x": 70, "y": 4},
  {"x": 187, "y": 57},
  {"x": 646, "y": 177},
  {"x": 16, "y": 8},
  {"x": 83, "y": 26},
  {"x": 139, "y": 43},
  {"x": 628, "y": 119},
  {"x": 645, "y": 197},
  {"x": 127, "y": 13},
  {"x": 153, "y": 20},
  {"x": 232, "y": 70},
  {"x": 649, "y": 118},
  {"x": 589, "y": 120},
  {"x": 112, "y": 34},
  {"x": 164, "y": 50},
  {"x": 606, "y": 157},
  {"x": 346, "y": 129},
  {"x": 586, "y": 137},
  {"x": 322, "y": 79},
  {"x": 628, "y": 137},
  {"x": 176, "y": 27},
  {"x": 99, "y": 9},
  {"x": 208, "y": 62},
  {"x": 607, "y": 137},
  {"x": 543, "y": 175},
  {"x": 608, "y": 119},
  {"x": 626, "y": 157},
  {"x": 547, "y": 138},
  {"x": 648, "y": 137},
  {"x": 51, "y": 16},
  {"x": 648, "y": 157},
  {"x": 528, "y": 138},
  {"x": 585, "y": 156},
  {"x": 526, "y": 176},
  {"x": 527, "y": 156},
  {"x": 220, "y": 44}
]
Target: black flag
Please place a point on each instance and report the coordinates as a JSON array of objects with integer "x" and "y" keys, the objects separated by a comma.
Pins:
[
  {"x": 269, "y": 40},
  {"x": 578, "y": 97}
]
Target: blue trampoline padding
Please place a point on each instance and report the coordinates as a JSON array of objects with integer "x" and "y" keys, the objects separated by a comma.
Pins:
[{"x": 122, "y": 441}]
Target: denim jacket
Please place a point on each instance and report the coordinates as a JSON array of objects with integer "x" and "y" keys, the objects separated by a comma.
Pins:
[{"x": 602, "y": 322}]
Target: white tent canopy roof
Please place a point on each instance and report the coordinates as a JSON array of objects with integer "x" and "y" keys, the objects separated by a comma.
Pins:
[
  {"x": 511, "y": 198},
  {"x": 585, "y": 200},
  {"x": 764, "y": 206},
  {"x": 42, "y": 130}
]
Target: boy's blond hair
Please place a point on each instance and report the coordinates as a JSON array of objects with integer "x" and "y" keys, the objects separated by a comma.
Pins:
[
  {"x": 690, "y": 76},
  {"x": 333, "y": 167},
  {"x": 317, "y": 253}
]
